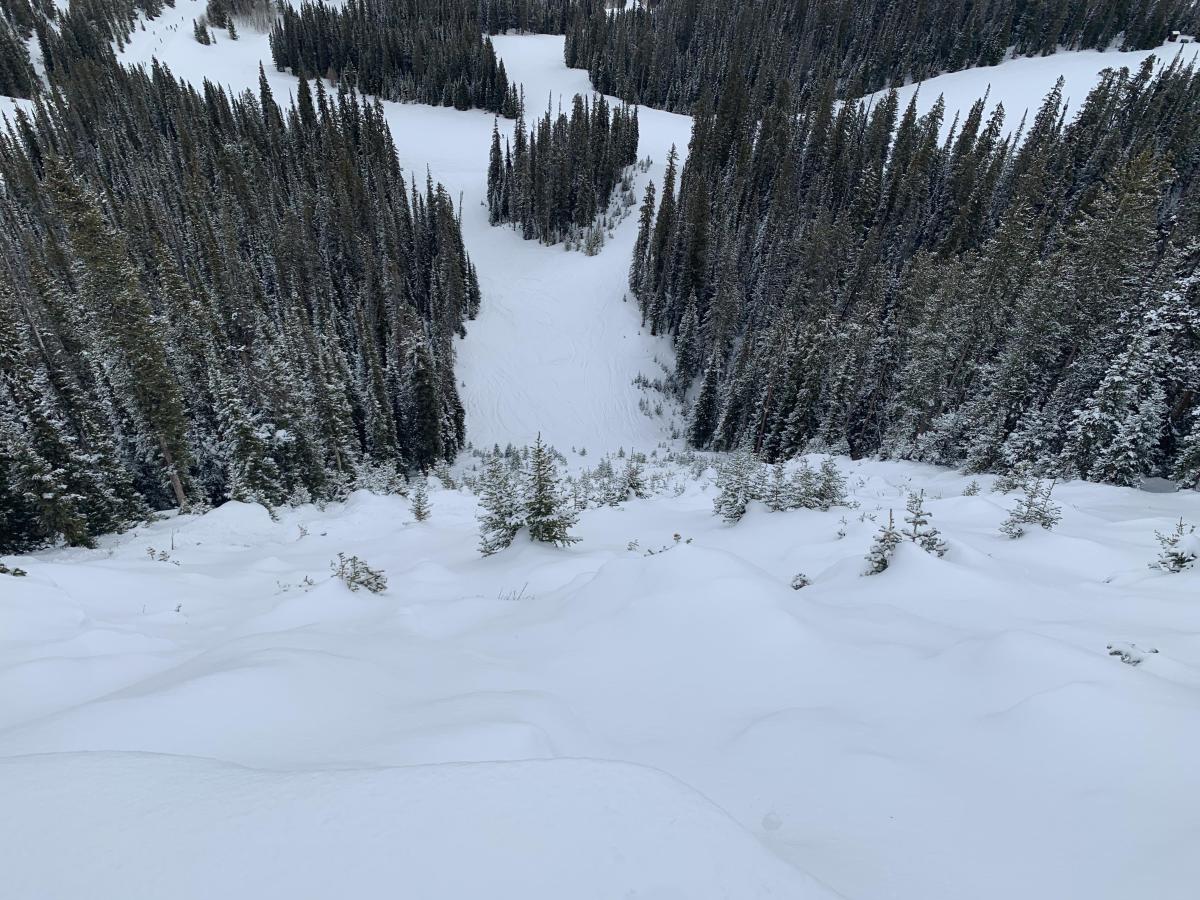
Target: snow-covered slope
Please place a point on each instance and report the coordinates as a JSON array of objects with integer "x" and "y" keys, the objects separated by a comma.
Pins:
[
  {"x": 1022, "y": 84},
  {"x": 554, "y": 348},
  {"x": 540, "y": 828},
  {"x": 950, "y": 728}
]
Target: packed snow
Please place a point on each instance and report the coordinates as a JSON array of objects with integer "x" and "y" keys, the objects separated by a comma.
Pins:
[{"x": 199, "y": 709}]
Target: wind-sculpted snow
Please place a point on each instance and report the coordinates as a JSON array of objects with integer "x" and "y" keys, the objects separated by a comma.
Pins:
[
  {"x": 902, "y": 735},
  {"x": 544, "y": 828}
]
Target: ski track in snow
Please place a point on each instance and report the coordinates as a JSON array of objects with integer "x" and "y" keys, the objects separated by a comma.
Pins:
[
  {"x": 554, "y": 349},
  {"x": 597, "y": 722}
]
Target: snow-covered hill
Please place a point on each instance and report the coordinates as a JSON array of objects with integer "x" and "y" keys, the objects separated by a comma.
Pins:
[
  {"x": 199, "y": 721},
  {"x": 1022, "y": 84}
]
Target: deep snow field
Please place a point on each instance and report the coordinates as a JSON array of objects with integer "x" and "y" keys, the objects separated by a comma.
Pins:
[
  {"x": 599, "y": 722},
  {"x": 183, "y": 715}
]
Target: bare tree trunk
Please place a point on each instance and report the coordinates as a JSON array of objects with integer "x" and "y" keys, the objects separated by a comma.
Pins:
[{"x": 176, "y": 483}]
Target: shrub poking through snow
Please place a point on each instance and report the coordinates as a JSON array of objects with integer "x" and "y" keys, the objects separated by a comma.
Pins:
[
  {"x": 886, "y": 541},
  {"x": 1034, "y": 508},
  {"x": 800, "y": 580},
  {"x": 971, "y": 489},
  {"x": 919, "y": 531},
  {"x": 420, "y": 500},
  {"x": 357, "y": 574},
  {"x": 15, "y": 571},
  {"x": 1178, "y": 548}
]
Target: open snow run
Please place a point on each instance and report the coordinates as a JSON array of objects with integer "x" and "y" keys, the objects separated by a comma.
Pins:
[
  {"x": 599, "y": 722},
  {"x": 1021, "y": 84},
  {"x": 197, "y": 709},
  {"x": 554, "y": 348}
]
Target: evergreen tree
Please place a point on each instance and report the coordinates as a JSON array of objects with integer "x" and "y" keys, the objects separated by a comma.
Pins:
[
  {"x": 502, "y": 513},
  {"x": 919, "y": 531},
  {"x": 739, "y": 481},
  {"x": 883, "y": 547},
  {"x": 1034, "y": 508},
  {"x": 1179, "y": 548},
  {"x": 419, "y": 501},
  {"x": 548, "y": 514}
]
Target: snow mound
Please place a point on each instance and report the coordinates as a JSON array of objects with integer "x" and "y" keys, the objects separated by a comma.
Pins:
[{"x": 183, "y": 827}]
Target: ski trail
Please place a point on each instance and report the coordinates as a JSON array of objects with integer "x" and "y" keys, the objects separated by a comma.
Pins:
[{"x": 554, "y": 349}]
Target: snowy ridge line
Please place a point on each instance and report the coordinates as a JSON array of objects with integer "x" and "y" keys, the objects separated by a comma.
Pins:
[{"x": 1021, "y": 83}]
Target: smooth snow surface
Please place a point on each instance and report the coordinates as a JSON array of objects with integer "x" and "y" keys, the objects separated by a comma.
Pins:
[{"x": 1021, "y": 84}]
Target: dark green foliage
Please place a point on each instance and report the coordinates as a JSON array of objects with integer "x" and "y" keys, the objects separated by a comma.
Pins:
[
  {"x": 406, "y": 50},
  {"x": 17, "y": 78},
  {"x": 675, "y": 53},
  {"x": 212, "y": 298},
  {"x": 555, "y": 181},
  {"x": 526, "y": 16},
  {"x": 548, "y": 514},
  {"x": 858, "y": 283}
]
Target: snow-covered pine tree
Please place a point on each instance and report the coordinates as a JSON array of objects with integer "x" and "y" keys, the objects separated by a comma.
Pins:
[
  {"x": 548, "y": 513},
  {"x": 806, "y": 486},
  {"x": 419, "y": 500},
  {"x": 1187, "y": 463},
  {"x": 1179, "y": 548},
  {"x": 501, "y": 511},
  {"x": 637, "y": 267},
  {"x": 887, "y": 539},
  {"x": 1034, "y": 508},
  {"x": 634, "y": 479},
  {"x": 919, "y": 531},
  {"x": 739, "y": 481},
  {"x": 778, "y": 493},
  {"x": 1115, "y": 436},
  {"x": 830, "y": 486},
  {"x": 707, "y": 408}
]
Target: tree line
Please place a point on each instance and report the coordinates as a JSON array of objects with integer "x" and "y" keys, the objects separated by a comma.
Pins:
[
  {"x": 672, "y": 53},
  {"x": 860, "y": 279},
  {"x": 403, "y": 50},
  {"x": 559, "y": 176},
  {"x": 207, "y": 297}
]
